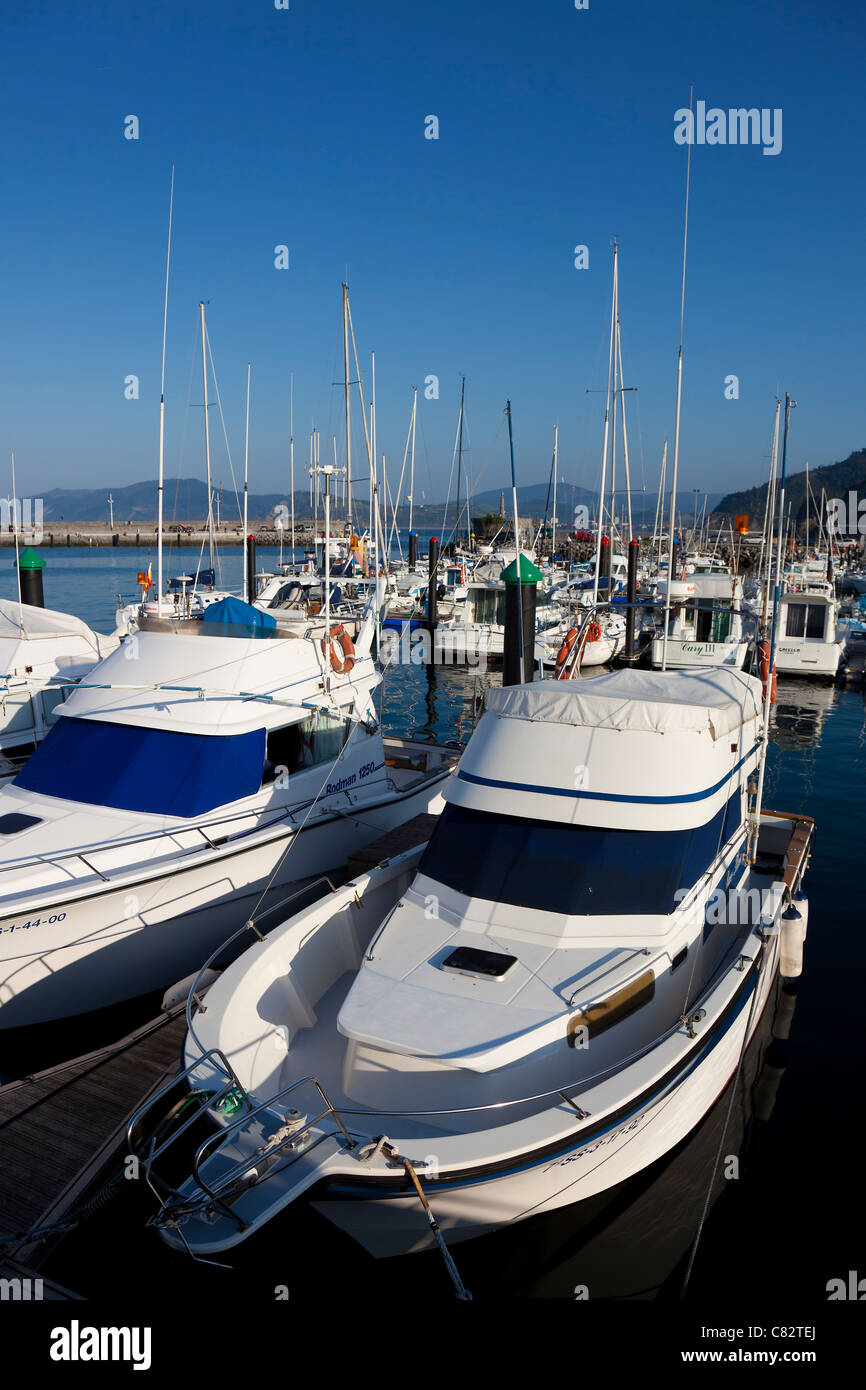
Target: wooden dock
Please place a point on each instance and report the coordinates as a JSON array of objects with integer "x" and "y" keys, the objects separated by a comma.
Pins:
[
  {"x": 61, "y": 1130},
  {"x": 393, "y": 842}
]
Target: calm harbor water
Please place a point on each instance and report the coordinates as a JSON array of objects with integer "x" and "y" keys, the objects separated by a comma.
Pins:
[{"x": 791, "y": 1221}]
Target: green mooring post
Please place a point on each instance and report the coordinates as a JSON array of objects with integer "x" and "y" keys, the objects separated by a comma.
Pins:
[
  {"x": 521, "y": 597},
  {"x": 30, "y": 566}
]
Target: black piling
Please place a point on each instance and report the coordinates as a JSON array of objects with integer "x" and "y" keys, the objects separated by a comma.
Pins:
[
  {"x": 604, "y": 565},
  {"x": 521, "y": 598},
  {"x": 30, "y": 566},
  {"x": 251, "y": 568},
  {"x": 631, "y": 596},
  {"x": 413, "y": 549},
  {"x": 432, "y": 582}
]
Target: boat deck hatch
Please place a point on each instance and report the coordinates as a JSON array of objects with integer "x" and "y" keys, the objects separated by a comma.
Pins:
[
  {"x": 487, "y": 965},
  {"x": 15, "y": 821}
]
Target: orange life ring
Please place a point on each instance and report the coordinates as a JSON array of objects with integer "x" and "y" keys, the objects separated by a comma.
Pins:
[
  {"x": 341, "y": 648},
  {"x": 594, "y": 633},
  {"x": 565, "y": 650}
]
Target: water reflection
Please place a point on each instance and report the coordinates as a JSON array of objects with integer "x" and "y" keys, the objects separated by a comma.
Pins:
[{"x": 802, "y": 707}]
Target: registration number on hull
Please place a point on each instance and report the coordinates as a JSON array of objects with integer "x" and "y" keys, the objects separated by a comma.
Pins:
[{"x": 34, "y": 922}]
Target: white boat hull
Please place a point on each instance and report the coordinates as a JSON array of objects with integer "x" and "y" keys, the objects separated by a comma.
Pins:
[
  {"x": 141, "y": 932},
  {"x": 802, "y": 657},
  {"x": 396, "y": 1225}
]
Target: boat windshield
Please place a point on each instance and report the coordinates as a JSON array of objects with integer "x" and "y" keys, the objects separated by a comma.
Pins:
[
  {"x": 152, "y": 770},
  {"x": 574, "y": 869}
]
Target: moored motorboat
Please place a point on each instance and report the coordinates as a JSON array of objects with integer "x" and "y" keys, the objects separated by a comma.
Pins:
[{"x": 534, "y": 1007}]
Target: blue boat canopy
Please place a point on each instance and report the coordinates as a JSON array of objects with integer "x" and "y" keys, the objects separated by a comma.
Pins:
[{"x": 241, "y": 618}]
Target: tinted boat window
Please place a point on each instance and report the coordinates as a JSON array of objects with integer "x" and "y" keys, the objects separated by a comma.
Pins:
[
  {"x": 295, "y": 747},
  {"x": 572, "y": 868}
]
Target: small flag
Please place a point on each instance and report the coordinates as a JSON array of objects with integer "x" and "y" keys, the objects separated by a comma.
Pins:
[{"x": 741, "y": 525}]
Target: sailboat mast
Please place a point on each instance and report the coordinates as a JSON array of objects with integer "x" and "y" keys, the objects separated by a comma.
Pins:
[
  {"x": 292, "y": 459},
  {"x": 614, "y": 402},
  {"x": 555, "y": 466},
  {"x": 161, "y": 479},
  {"x": 247, "y": 597},
  {"x": 679, "y": 404},
  {"x": 206, "y": 435},
  {"x": 348, "y": 407},
  {"x": 412, "y": 460},
  {"x": 460, "y": 453},
  {"x": 600, "y": 525}
]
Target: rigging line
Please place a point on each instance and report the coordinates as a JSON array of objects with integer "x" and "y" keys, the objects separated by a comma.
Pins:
[
  {"x": 477, "y": 479},
  {"x": 222, "y": 421}
]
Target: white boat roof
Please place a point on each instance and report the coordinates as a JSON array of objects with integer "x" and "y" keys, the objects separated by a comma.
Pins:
[
  {"x": 717, "y": 700},
  {"x": 177, "y": 676},
  {"x": 22, "y": 622}
]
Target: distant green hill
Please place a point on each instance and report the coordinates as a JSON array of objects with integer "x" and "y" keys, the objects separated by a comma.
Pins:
[{"x": 836, "y": 479}]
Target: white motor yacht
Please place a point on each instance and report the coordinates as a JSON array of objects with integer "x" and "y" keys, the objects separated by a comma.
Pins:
[
  {"x": 707, "y": 625},
  {"x": 533, "y": 1008}
]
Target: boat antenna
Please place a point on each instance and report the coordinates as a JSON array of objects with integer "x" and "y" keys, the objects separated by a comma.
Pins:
[
  {"x": 161, "y": 480},
  {"x": 679, "y": 399}
]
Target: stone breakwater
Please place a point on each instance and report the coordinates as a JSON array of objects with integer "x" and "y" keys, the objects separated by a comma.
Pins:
[{"x": 90, "y": 534}]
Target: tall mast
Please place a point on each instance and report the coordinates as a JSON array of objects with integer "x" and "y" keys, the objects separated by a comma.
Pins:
[
  {"x": 373, "y": 438},
  {"x": 622, "y": 390},
  {"x": 460, "y": 453},
  {"x": 768, "y": 688},
  {"x": 206, "y": 435},
  {"x": 614, "y": 402},
  {"x": 679, "y": 403},
  {"x": 412, "y": 459},
  {"x": 161, "y": 480},
  {"x": 292, "y": 459},
  {"x": 248, "y": 598},
  {"x": 348, "y": 398},
  {"x": 555, "y": 466},
  {"x": 600, "y": 526}
]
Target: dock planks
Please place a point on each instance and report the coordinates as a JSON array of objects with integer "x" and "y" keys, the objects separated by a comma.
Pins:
[
  {"x": 60, "y": 1128},
  {"x": 393, "y": 842}
]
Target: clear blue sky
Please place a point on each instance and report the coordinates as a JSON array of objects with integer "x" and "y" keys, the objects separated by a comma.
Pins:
[{"x": 306, "y": 127}]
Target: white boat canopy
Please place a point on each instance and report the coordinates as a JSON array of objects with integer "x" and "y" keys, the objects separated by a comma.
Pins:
[{"x": 717, "y": 701}]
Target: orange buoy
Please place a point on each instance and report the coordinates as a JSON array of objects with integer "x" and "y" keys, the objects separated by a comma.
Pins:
[{"x": 594, "y": 633}]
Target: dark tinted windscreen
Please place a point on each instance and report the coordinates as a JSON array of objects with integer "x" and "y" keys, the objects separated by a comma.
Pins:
[{"x": 571, "y": 868}]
